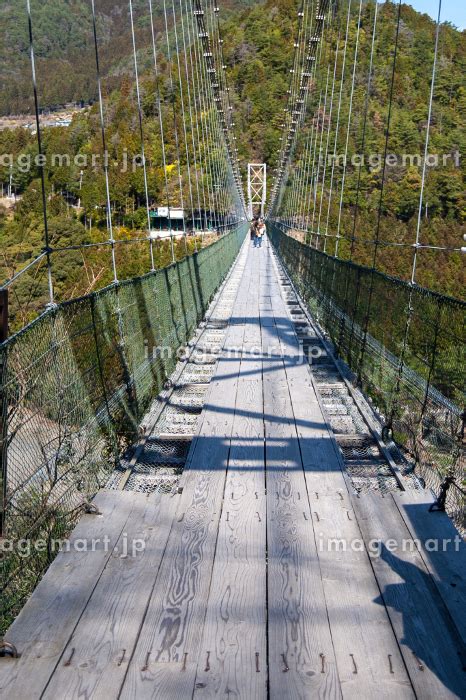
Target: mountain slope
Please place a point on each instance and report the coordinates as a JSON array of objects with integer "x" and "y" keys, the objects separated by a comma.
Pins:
[
  {"x": 64, "y": 48},
  {"x": 258, "y": 52}
]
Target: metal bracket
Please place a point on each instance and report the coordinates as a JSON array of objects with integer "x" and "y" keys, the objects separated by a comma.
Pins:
[
  {"x": 8, "y": 649},
  {"x": 91, "y": 509},
  {"x": 440, "y": 504},
  {"x": 387, "y": 433}
]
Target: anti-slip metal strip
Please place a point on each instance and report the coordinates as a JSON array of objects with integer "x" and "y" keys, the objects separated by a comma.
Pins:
[
  {"x": 370, "y": 464},
  {"x": 168, "y": 428}
]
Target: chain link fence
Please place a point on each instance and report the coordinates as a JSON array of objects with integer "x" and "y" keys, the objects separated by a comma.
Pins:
[
  {"x": 75, "y": 384},
  {"x": 406, "y": 346}
]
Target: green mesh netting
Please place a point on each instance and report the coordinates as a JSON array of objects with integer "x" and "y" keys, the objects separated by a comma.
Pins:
[
  {"x": 406, "y": 346},
  {"x": 76, "y": 383}
]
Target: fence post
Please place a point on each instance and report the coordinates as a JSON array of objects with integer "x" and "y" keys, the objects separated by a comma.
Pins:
[
  {"x": 3, "y": 409},
  {"x": 111, "y": 422},
  {"x": 433, "y": 358}
]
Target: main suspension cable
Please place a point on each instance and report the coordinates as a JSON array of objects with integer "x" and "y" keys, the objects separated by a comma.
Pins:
[
  {"x": 104, "y": 145},
  {"x": 161, "y": 127},
  {"x": 141, "y": 134},
  {"x": 41, "y": 158},
  {"x": 175, "y": 122}
]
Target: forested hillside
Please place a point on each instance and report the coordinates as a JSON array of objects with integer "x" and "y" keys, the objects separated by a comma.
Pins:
[
  {"x": 63, "y": 42},
  {"x": 381, "y": 202},
  {"x": 258, "y": 51}
]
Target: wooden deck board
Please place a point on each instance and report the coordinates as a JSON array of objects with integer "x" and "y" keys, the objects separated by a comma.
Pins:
[
  {"x": 234, "y": 651},
  {"x": 234, "y": 647},
  {"x": 369, "y": 661},
  {"x": 173, "y": 626},
  {"x": 430, "y": 646},
  {"x": 301, "y": 655},
  {"x": 104, "y": 640},
  {"x": 238, "y": 592},
  {"x": 442, "y": 549},
  {"x": 46, "y": 623}
]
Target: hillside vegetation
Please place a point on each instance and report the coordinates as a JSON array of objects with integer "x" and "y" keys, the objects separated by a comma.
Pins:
[
  {"x": 64, "y": 48},
  {"x": 382, "y": 203},
  {"x": 258, "y": 49}
]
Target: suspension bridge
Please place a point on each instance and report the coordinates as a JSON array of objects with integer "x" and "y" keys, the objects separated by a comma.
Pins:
[{"x": 236, "y": 471}]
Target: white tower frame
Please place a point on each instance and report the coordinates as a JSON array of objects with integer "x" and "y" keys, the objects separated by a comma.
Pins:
[{"x": 257, "y": 187}]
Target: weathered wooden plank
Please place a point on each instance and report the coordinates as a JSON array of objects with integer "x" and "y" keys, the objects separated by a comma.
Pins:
[
  {"x": 95, "y": 661},
  {"x": 301, "y": 655},
  {"x": 233, "y": 657},
  {"x": 172, "y": 629},
  {"x": 430, "y": 645},
  {"x": 234, "y": 650},
  {"x": 165, "y": 660},
  {"x": 442, "y": 548},
  {"x": 46, "y": 623},
  {"x": 368, "y": 657},
  {"x": 367, "y": 654},
  {"x": 369, "y": 661},
  {"x": 228, "y": 364},
  {"x": 251, "y": 358},
  {"x": 319, "y": 452},
  {"x": 167, "y": 681}
]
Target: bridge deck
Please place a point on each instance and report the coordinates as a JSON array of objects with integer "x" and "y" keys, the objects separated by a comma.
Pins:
[{"x": 238, "y": 591}]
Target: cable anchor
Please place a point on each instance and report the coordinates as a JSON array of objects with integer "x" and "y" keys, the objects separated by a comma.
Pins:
[
  {"x": 8, "y": 649},
  {"x": 439, "y": 506}
]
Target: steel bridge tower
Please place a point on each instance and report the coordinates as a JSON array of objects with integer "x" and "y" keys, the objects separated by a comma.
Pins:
[{"x": 257, "y": 187}]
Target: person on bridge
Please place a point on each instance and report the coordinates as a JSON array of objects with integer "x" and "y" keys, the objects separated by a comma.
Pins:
[
  {"x": 253, "y": 229},
  {"x": 260, "y": 233}
]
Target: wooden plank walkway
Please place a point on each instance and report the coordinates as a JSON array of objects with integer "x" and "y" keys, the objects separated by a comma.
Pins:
[{"x": 256, "y": 581}]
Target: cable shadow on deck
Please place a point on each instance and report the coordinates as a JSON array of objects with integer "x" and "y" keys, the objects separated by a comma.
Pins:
[{"x": 424, "y": 627}]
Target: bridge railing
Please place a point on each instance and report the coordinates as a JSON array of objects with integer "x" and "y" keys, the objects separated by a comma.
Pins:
[
  {"x": 76, "y": 383},
  {"x": 405, "y": 346}
]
